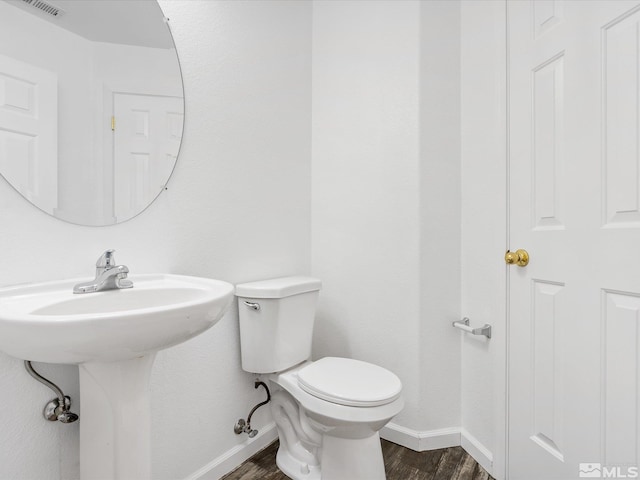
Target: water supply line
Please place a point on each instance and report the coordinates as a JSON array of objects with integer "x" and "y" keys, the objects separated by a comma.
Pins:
[
  {"x": 58, "y": 408},
  {"x": 244, "y": 426}
]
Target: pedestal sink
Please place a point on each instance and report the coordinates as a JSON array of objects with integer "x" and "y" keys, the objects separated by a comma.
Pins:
[{"x": 113, "y": 336}]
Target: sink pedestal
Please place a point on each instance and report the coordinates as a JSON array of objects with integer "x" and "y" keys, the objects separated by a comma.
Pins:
[{"x": 115, "y": 420}]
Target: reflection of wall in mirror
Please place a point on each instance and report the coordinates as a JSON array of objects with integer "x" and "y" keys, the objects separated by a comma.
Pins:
[{"x": 85, "y": 71}]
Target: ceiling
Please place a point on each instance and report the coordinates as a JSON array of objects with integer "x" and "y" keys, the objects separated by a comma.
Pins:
[{"x": 128, "y": 22}]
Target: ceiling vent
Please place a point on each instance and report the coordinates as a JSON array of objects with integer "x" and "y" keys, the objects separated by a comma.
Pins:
[{"x": 45, "y": 7}]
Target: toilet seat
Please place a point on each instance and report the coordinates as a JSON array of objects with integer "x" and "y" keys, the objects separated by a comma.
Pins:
[
  {"x": 349, "y": 382},
  {"x": 312, "y": 404}
]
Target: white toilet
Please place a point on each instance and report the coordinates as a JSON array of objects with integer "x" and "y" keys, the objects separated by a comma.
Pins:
[{"x": 328, "y": 413}]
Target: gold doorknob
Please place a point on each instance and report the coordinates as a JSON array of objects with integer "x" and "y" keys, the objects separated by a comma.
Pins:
[{"x": 520, "y": 257}]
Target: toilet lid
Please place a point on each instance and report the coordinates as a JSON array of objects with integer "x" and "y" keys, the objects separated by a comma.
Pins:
[{"x": 349, "y": 382}]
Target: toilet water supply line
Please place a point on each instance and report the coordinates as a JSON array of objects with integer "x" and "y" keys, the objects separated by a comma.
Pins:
[
  {"x": 58, "y": 408},
  {"x": 244, "y": 426}
]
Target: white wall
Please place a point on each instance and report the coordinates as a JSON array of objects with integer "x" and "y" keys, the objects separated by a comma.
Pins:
[
  {"x": 385, "y": 201},
  {"x": 365, "y": 177},
  {"x": 484, "y": 229},
  {"x": 439, "y": 214},
  {"x": 237, "y": 209}
]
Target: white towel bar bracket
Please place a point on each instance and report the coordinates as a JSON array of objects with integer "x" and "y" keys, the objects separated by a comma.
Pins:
[{"x": 464, "y": 326}]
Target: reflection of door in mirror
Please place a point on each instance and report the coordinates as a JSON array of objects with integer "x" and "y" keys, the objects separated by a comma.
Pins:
[
  {"x": 147, "y": 130},
  {"x": 29, "y": 131}
]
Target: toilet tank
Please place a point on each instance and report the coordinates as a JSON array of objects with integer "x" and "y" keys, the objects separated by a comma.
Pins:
[{"x": 276, "y": 322}]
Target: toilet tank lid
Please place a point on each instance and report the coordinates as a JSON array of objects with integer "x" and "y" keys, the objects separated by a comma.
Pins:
[{"x": 278, "y": 287}]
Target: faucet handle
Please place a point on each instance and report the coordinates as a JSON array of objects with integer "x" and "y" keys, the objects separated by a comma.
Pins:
[{"x": 106, "y": 259}]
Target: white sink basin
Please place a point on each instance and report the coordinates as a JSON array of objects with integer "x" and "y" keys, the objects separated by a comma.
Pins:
[
  {"x": 47, "y": 322},
  {"x": 113, "y": 335}
]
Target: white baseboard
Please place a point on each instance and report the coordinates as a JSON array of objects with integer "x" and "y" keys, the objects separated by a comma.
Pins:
[
  {"x": 477, "y": 450},
  {"x": 442, "y": 438},
  {"x": 421, "y": 441},
  {"x": 232, "y": 458}
]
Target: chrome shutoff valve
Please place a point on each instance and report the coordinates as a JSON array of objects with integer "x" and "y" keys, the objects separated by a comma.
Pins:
[{"x": 244, "y": 426}]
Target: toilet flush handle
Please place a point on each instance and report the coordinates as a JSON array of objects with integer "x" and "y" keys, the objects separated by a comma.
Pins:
[{"x": 253, "y": 306}]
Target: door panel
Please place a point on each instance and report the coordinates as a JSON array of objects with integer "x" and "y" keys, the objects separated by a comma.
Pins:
[
  {"x": 148, "y": 130},
  {"x": 621, "y": 102},
  {"x": 574, "y": 103},
  {"x": 29, "y": 131},
  {"x": 620, "y": 378}
]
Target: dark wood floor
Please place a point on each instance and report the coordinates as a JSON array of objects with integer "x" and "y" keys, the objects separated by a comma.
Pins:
[{"x": 399, "y": 462}]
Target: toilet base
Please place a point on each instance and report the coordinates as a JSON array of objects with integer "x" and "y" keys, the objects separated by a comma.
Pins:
[
  {"x": 294, "y": 468},
  {"x": 352, "y": 459},
  {"x": 342, "y": 459},
  {"x": 313, "y": 447}
]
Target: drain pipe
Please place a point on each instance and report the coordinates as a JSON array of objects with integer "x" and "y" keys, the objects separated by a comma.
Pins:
[
  {"x": 58, "y": 408},
  {"x": 244, "y": 426}
]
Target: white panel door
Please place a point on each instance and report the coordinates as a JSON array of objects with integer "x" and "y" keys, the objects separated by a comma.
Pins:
[
  {"x": 574, "y": 145},
  {"x": 29, "y": 131},
  {"x": 147, "y": 134}
]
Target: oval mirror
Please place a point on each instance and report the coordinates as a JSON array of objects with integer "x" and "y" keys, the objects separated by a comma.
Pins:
[{"x": 91, "y": 106}]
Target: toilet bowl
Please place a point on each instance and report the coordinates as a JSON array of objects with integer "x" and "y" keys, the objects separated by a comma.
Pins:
[
  {"x": 328, "y": 412},
  {"x": 341, "y": 439}
]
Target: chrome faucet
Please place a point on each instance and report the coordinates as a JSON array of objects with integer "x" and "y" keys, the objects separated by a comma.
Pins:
[{"x": 109, "y": 276}]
